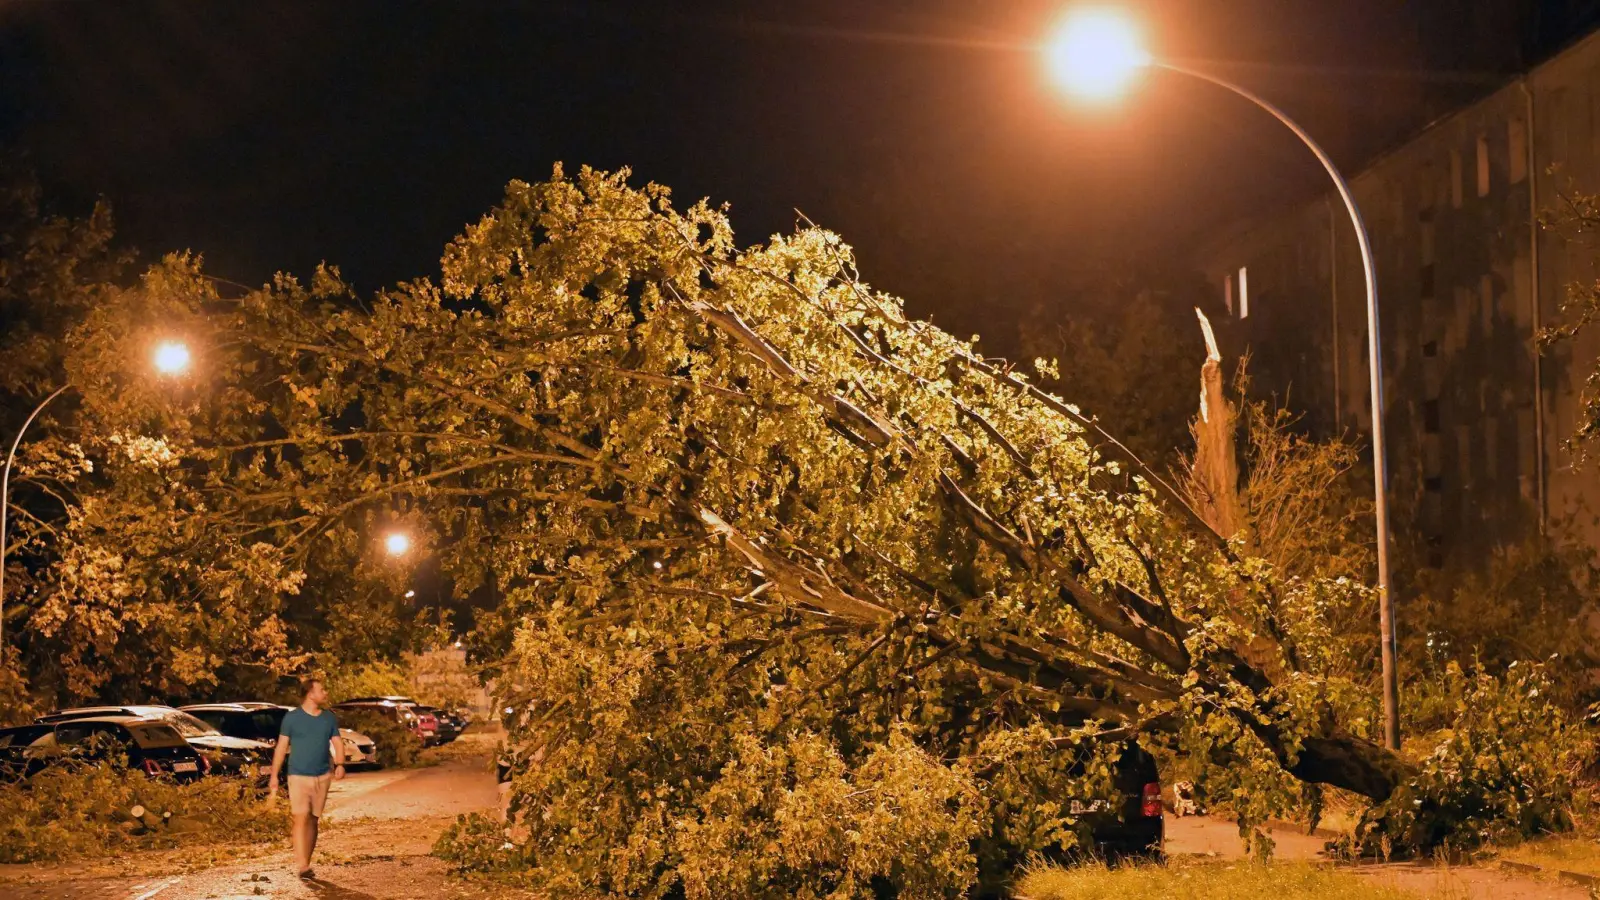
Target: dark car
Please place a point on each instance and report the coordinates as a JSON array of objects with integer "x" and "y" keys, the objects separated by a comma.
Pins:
[
  {"x": 151, "y": 746},
  {"x": 227, "y": 755},
  {"x": 261, "y": 721},
  {"x": 1134, "y": 826}
]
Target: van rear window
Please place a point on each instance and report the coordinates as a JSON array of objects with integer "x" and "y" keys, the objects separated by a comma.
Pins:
[{"x": 156, "y": 736}]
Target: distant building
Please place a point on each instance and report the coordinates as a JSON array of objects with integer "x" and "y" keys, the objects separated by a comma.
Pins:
[
  {"x": 444, "y": 672},
  {"x": 1477, "y": 420}
]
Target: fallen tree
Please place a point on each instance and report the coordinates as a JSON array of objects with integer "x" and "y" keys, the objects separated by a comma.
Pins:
[{"x": 791, "y": 592}]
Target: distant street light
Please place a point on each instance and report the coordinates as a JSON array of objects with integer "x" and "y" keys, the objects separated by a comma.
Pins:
[
  {"x": 1097, "y": 54},
  {"x": 397, "y": 543},
  {"x": 171, "y": 358},
  {"x": 410, "y": 595}
]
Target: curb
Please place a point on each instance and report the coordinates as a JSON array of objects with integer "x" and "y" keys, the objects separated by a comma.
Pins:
[
  {"x": 1327, "y": 833},
  {"x": 1278, "y": 825},
  {"x": 1581, "y": 878}
]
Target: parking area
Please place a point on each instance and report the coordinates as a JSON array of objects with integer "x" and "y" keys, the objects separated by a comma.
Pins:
[{"x": 381, "y": 826}]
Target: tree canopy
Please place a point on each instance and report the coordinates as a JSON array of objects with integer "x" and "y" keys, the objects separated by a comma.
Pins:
[{"x": 794, "y": 594}]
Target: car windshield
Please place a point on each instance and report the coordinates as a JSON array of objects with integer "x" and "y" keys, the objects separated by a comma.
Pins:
[
  {"x": 187, "y": 725},
  {"x": 266, "y": 723},
  {"x": 156, "y": 735},
  {"x": 233, "y": 723}
]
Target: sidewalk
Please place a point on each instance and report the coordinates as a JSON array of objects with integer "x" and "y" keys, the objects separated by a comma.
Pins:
[{"x": 1205, "y": 836}]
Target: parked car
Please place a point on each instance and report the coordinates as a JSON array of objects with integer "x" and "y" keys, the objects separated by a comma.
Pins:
[
  {"x": 149, "y": 745},
  {"x": 1131, "y": 826},
  {"x": 462, "y": 718},
  {"x": 226, "y": 755},
  {"x": 450, "y": 727},
  {"x": 261, "y": 721},
  {"x": 403, "y": 710},
  {"x": 386, "y": 698}
]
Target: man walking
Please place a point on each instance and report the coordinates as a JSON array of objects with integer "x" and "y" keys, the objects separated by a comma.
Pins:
[{"x": 308, "y": 738}]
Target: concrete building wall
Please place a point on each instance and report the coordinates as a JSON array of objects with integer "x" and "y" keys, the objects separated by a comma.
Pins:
[
  {"x": 1567, "y": 138},
  {"x": 445, "y": 670},
  {"x": 1476, "y": 419}
]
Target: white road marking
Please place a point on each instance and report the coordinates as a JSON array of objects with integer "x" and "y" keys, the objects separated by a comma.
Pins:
[{"x": 157, "y": 889}]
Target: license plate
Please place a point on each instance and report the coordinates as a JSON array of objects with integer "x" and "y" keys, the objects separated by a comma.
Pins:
[
  {"x": 185, "y": 767},
  {"x": 1093, "y": 806}
]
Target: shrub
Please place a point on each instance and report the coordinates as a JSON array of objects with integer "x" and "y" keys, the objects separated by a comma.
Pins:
[
  {"x": 1527, "y": 601},
  {"x": 16, "y": 703},
  {"x": 396, "y": 744},
  {"x": 95, "y": 810},
  {"x": 787, "y": 819},
  {"x": 1505, "y": 770},
  {"x": 479, "y": 843}
]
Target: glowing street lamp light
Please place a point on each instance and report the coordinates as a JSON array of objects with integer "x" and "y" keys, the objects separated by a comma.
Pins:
[
  {"x": 396, "y": 543},
  {"x": 171, "y": 357},
  {"x": 1096, "y": 54}
]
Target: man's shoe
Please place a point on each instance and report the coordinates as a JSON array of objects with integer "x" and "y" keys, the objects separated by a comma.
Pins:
[{"x": 308, "y": 875}]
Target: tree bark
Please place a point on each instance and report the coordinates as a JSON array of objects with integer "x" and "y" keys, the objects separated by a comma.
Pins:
[{"x": 1348, "y": 762}]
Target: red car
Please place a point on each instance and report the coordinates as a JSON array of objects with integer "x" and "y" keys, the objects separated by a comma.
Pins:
[{"x": 424, "y": 725}]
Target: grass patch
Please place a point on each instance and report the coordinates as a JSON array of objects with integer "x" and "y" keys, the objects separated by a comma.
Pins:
[
  {"x": 1569, "y": 853},
  {"x": 1202, "y": 881}
]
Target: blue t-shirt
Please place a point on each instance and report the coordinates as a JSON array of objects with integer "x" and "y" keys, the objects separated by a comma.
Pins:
[{"x": 309, "y": 736}]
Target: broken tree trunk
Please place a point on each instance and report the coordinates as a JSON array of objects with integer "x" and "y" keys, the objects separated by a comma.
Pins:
[{"x": 1213, "y": 480}]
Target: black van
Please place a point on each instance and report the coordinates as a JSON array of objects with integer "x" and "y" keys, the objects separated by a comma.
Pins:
[{"x": 1136, "y": 828}]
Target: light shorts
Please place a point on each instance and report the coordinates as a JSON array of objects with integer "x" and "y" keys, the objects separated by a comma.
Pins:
[{"x": 309, "y": 793}]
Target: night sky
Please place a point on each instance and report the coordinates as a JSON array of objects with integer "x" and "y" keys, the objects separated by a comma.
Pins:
[{"x": 273, "y": 135}]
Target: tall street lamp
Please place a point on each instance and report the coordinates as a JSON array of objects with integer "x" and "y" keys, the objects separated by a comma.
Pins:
[
  {"x": 169, "y": 358},
  {"x": 1097, "y": 55}
]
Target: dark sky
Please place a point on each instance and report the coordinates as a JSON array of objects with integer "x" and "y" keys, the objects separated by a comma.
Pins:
[{"x": 272, "y": 135}]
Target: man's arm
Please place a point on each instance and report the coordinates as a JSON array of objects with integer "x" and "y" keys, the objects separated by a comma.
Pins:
[
  {"x": 279, "y": 754},
  {"x": 336, "y": 744}
]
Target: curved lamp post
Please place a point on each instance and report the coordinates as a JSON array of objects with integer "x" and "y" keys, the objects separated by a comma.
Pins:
[
  {"x": 1097, "y": 55},
  {"x": 170, "y": 358}
]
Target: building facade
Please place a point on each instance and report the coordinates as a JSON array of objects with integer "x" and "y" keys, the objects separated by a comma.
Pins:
[
  {"x": 1477, "y": 417},
  {"x": 444, "y": 672}
]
